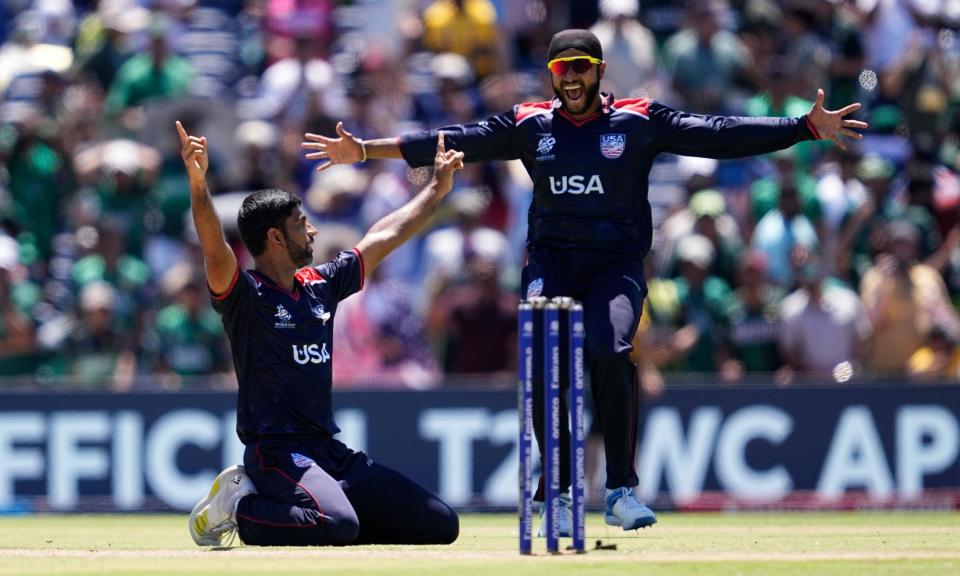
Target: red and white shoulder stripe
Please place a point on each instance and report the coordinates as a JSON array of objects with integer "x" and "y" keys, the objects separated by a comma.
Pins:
[
  {"x": 636, "y": 106},
  {"x": 529, "y": 110},
  {"x": 309, "y": 276}
]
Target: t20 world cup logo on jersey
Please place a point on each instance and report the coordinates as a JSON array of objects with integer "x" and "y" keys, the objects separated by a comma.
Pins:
[
  {"x": 612, "y": 145},
  {"x": 285, "y": 319},
  {"x": 546, "y": 144}
]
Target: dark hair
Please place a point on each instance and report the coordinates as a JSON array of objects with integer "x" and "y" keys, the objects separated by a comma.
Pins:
[{"x": 261, "y": 211}]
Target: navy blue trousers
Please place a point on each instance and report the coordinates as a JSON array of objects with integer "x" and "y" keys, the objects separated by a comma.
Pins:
[
  {"x": 612, "y": 294},
  {"x": 315, "y": 491}
]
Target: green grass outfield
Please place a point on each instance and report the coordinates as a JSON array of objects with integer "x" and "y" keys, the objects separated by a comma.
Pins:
[{"x": 870, "y": 543}]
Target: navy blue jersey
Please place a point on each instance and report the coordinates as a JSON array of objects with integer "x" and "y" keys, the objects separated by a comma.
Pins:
[
  {"x": 282, "y": 344},
  {"x": 590, "y": 177}
]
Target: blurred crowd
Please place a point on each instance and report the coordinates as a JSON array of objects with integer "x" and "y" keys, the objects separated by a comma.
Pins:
[{"x": 815, "y": 262}]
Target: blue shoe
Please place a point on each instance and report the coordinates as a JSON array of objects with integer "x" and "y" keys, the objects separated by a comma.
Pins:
[
  {"x": 625, "y": 509},
  {"x": 564, "y": 518}
]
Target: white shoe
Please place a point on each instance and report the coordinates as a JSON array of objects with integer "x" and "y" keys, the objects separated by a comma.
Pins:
[
  {"x": 564, "y": 518},
  {"x": 215, "y": 516},
  {"x": 625, "y": 509}
]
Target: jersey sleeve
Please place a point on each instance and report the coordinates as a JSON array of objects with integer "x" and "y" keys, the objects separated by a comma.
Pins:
[
  {"x": 724, "y": 136},
  {"x": 235, "y": 299},
  {"x": 344, "y": 274},
  {"x": 492, "y": 139}
]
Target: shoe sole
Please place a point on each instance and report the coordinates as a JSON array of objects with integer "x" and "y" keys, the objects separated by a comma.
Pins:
[
  {"x": 642, "y": 522},
  {"x": 198, "y": 519}
]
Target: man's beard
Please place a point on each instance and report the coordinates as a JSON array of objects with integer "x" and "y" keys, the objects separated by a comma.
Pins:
[
  {"x": 589, "y": 95},
  {"x": 301, "y": 256}
]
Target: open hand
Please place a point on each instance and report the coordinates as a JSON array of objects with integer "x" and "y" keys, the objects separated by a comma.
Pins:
[
  {"x": 193, "y": 150},
  {"x": 445, "y": 164},
  {"x": 347, "y": 149},
  {"x": 832, "y": 124}
]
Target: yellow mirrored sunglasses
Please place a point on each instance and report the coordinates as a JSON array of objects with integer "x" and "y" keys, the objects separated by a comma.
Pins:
[{"x": 579, "y": 64}]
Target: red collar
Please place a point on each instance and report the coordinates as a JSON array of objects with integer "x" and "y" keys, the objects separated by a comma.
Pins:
[
  {"x": 605, "y": 102},
  {"x": 579, "y": 123}
]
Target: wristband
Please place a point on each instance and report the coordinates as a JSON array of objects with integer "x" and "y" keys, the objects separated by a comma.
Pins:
[{"x": 363, "y": 147}]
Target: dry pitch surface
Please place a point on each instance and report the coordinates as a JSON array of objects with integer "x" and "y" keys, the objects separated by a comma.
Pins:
[{"x": 704, "y": 544}]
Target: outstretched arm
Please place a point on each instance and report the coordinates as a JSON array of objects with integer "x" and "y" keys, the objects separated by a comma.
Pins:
[
  {"x": 735, "y": 136},
  {"x": 218, "y": 258},
  {"x": 347, "y": 148},
  {"x": 399, "y": 226},
  {"x": 494, "y": 138}
]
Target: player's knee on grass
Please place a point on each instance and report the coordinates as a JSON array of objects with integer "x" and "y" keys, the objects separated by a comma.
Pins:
[
  {"x": 335, "y": 525},
  {"x": 343, "y": 531},
  {"x": 434, "y": 523},
  {"x": 333, "y": 528},
  {"x": 447, "y": 523},
  {"x": 338, "y": 522}
]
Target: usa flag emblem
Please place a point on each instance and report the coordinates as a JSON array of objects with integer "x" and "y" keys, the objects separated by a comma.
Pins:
[
  {"x": 612, "y": 145},
  {"x": 301, "y": 461},
  {"x": 535, "y": 288}
]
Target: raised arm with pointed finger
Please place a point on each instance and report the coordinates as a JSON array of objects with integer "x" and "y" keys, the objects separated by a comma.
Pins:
[
  {"x": 397, "y": 227},
  {"x": 219, "y": 260}
]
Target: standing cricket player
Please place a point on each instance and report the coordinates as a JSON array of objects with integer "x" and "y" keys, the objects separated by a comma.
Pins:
[
  {"x": 589, "y": 225},
  {"x": 299, "y": 485}
]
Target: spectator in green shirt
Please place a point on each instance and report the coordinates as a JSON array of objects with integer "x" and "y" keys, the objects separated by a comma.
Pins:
[
  {"x": 98, "y": 354},
  {"x": 705, "y": 214},
  {"x": 777, "y": 97},
  {"x": 111, "y": 262},
  {"x": 864, "y": 232},
  {"x": 765, "y": 192},
  {"x": 40, "y": 180},
  {"x": 189, "y": 334},
  {"x": 149, "y": 76},
  {"x": 121, "y": 174},
  {"x": 691, "y": 309},
  {"x": 18, "y": 342},
  {"x": 753, "y": 321}
]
